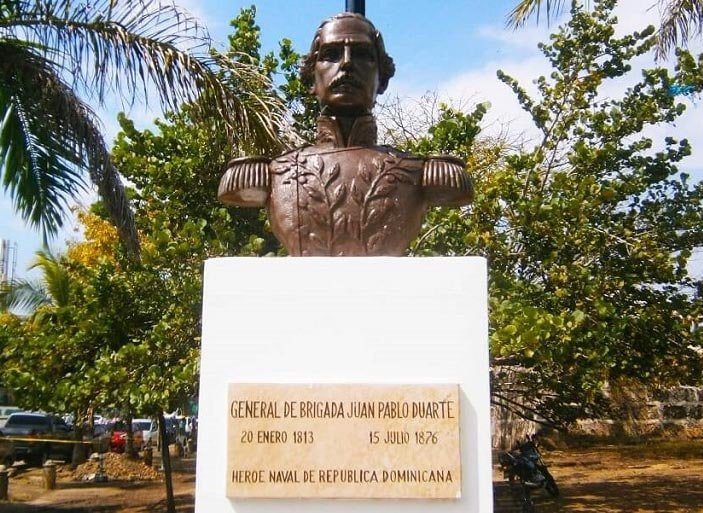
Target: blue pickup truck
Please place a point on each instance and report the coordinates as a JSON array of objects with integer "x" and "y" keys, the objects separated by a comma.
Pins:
[{"x": 37, "y": 437}]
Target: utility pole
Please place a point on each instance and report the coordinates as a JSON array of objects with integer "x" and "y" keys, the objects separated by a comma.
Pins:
[
  {"x": 8, "y": 260},
  {"x": 357, "y": 6}
]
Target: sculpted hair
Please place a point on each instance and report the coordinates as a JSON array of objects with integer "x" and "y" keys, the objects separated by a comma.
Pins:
[{"x": 386, "y": 66}]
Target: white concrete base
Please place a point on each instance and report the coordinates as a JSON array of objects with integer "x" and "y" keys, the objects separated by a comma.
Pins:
[{"x": 345, "y": 320}]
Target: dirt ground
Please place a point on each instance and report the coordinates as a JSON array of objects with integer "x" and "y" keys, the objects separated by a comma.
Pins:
[
  {"x": 132, "y": 487},
  {"x": 656, "y": 477}
]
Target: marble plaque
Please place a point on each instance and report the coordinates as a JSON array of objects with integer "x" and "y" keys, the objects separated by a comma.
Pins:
[{"x": 343, "y": 441}]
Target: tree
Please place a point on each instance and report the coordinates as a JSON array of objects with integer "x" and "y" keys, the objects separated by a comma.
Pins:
[
  {"x": 681, "y": 19},
  {"x": 177, "y": 167},
  {"x": 49, "y": 357},
  {"x": 29, "y": 295},
  {"x": 589, "y": 232},
  {"x": 301, "y": 104},
  {"x": 53, "y": 50},
  {"x": 176, "y": 170},
  {"x": 144, "y": 314},
  {"x": 126, "y": 336}
]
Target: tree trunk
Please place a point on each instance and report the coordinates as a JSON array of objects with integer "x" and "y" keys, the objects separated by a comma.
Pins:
[
  {"x": 78, "y": 455},
  {"x": 129, "y": 441},
  {"x": 166, "y": 461},
  {"x": 91, "y": 420}
]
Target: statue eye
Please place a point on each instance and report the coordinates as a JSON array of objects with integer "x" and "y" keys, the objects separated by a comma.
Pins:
[
  {"x": 330, "y": 53},
  {"x": 363, "y": 52}
]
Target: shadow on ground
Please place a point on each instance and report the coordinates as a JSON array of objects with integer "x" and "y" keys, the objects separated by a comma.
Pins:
[
  {"x": 27, "y": 508},
  {"x": 643, "y": 496},
  {"x": 184, "y": 504}
]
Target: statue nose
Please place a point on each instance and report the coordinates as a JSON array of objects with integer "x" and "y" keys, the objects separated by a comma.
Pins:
[{"x": 347, "y": 56}]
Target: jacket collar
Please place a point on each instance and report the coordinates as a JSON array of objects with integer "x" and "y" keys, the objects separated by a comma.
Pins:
[{"x": 363, "y": 132}]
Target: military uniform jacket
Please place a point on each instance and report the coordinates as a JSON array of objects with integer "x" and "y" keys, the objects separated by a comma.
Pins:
[{"x": 346, "y": 198}]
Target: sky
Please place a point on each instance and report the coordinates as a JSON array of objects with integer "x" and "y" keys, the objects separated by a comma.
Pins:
[{"x": 449, "y": 47}]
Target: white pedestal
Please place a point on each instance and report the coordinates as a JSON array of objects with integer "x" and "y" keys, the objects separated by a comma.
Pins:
[{"x": 345, "y": 320}]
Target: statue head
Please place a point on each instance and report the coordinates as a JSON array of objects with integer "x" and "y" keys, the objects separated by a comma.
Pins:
[{"x": 347, "y": 65}]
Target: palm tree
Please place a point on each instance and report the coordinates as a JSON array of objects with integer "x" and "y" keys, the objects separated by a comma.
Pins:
[
  {"x": 53, "y": 51},
  {"x": 527, "y": 8},
  {"x": 43, "y": 301},
  {"x": 681, "y": 19},
  {"x": 29, "y": 295}
]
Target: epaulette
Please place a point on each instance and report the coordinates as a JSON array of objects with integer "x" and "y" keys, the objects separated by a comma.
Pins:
[
  {"x": 246, "y": 182},
  {"x": 446, "y": 182}
]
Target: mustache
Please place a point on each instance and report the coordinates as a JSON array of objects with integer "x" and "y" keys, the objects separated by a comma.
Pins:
[{"x": 346, "y": 79}]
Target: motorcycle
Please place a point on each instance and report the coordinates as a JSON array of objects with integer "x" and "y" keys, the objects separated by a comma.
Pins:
[{"x": 524, "y": 464}]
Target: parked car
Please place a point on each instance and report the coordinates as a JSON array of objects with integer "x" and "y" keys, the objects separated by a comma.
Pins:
[
  {"x": 100, "y": 437},
  {"x": 179, "y": 429},
  {"x": 38, "y": 437},
  {"x": 118, "y": 439},
  {"x": 5, "y": 412},
  {"x": 143, "y": 427}
]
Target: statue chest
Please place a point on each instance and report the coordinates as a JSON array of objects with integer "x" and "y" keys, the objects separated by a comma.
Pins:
[{"x": 346, "y": 202}]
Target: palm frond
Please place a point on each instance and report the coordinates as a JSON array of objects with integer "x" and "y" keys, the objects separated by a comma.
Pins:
[
  {"x": 53, "y": 288},
  {"x": 527, "y": 8},
  {"x": 248, "y": 96},
  {"x": 22, "y": 296},
  {"x": 681, "y": 20},
  {"x": 47, "y": 137},
  {"x": 128, "y": 46},
  {"x": 55, "y": 278}
]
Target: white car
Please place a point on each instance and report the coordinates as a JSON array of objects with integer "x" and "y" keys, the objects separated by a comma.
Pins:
[{"x": 143, "y": 427}]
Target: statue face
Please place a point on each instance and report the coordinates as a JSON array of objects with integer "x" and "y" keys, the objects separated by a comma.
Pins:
[{"x": 346, "y": 68}]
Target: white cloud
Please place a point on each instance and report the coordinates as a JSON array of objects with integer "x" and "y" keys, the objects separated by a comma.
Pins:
[
  {"x": 635, "y": 15},
  {"x": 522, "y": 39},
  {"x": 482, "y": 85},
  {"x": 523, "y": 61}
]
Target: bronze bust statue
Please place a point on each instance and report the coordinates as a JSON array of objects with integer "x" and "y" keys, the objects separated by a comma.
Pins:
[{"x": 346, "y": 195}]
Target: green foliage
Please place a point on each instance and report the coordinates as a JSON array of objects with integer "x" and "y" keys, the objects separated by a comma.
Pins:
[
  {"x": 301, "y": 104},
  {"x": 455, "y": 132},
  {"x": 588, "y": 233},
  {"x": 49, "y": 358},
  {"x": 176, "y": 170},
  {"x": 123, "y": 333},
  {"x": 176, "y": 173},
  {"x": 117, "y": 328},
  {"x": 49, "y": 137},
  {"x": 304, "y": 107}
]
